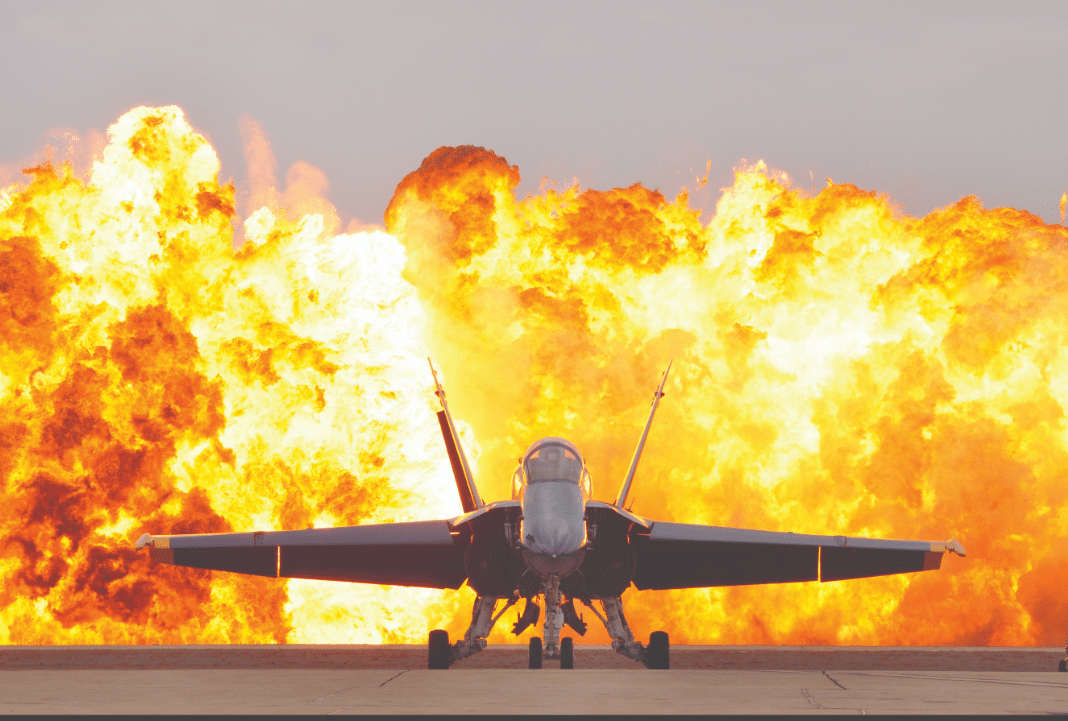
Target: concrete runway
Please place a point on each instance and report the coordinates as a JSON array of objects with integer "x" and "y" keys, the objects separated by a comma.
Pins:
[{"x": 307, "y": 680}]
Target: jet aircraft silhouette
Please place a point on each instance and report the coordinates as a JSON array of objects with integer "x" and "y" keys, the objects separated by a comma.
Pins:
[{"x": 551, "y": 541}]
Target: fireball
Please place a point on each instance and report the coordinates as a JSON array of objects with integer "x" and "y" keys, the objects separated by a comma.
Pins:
[{"x": 840, "y": 367}]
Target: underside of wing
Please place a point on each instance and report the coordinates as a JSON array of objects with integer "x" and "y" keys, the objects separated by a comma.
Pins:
[
  {"x": 681, "y": 555},
  {"x": 423, "y": 553}
]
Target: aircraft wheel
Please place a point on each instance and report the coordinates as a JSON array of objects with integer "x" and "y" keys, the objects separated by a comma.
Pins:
[
  {"x": 1063, "y": 665},
  {"x": 567, "y": 653},
  {"x": 658, "y": 653},
  {"x": 534, "y": 655},
  {"x": 438, "y": 649}
]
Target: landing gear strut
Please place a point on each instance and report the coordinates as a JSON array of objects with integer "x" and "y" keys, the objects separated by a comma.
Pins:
[
  {"x": 655, "y": 655},
  {"x": 554, "y": 618},
  {"x": 556, "y": 615},
  {"x": 441, "y": 655}
]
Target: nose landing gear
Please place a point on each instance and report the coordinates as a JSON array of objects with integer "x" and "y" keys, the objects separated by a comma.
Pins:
[
  {"x": 566, "y": 655},
  {"x": 556, "y": 615}
]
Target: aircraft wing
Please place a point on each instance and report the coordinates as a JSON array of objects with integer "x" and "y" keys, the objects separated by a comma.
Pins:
[
  {"x": 422, "y": 553},
  {"x": 683, "y": 555}
]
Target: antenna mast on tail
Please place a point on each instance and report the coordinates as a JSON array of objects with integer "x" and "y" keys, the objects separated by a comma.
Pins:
[
  {"x": 625, "y": 488},
  {"x": 465, "y": 484}
]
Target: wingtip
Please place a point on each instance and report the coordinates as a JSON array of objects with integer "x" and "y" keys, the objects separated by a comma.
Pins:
[
  {"x": 144, "y": 540},
  {"x": 950, "y": 546}
]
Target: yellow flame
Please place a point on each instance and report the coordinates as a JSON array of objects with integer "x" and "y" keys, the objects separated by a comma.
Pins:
[{"x": 840, "y": 369}]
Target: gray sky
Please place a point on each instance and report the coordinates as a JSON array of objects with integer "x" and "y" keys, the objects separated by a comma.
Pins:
[{"x": 925, "y": 101}]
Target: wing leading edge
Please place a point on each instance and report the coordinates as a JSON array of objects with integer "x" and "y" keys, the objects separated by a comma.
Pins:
[
  {"x": 682, "y": 555},
  {"x": 423, "y": 553}
]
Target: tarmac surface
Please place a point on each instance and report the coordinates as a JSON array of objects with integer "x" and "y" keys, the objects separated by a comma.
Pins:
[{"x": 394, "y": 679}]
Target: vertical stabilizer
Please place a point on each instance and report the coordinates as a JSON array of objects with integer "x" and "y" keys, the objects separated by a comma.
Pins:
[
  {"x": 465, "y": 484},
  {"x": 624, "y": 490}
]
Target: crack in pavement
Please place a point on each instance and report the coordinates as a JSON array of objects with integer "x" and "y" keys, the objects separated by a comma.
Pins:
[
  {"x": 1039, "y": 684},
  {"x": 833, "y": 681},
  {"x": 392, "y": 677},
  {"x": 26, "y": 703},
  {"x": 814, "y": 702},
  {"x": 349, "y": 688}
]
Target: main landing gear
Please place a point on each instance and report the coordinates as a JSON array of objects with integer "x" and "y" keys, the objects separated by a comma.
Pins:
[
  {"x": 534, "y": 653},
  {"x": 439, "y": 650},
  {"x": 658, "y": 651},
  {"x": 442, "y": 655},
  {"x": 567, "y": 653},
  {"x": 656, "y": 655}
]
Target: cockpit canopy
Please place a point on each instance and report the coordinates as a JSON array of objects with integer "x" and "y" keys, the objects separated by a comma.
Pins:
[{"x": 552, "y": 460}]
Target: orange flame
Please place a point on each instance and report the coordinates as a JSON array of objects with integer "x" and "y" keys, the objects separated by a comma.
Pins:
[{"x": 841, "y": 368}]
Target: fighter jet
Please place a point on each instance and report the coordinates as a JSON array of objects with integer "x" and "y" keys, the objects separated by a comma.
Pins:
[{"x": 550, "y": 545}]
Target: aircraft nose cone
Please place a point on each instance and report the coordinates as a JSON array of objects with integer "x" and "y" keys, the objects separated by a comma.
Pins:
[
  {"x": 552, "y": 519},
  {"x": 555, "y": 537}
]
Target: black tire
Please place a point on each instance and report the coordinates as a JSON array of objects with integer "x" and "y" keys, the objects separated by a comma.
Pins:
[
  {"x": 658, "y": 653},
  {"x": 439, "y": 650},
  {"x": 1063, "y": 665},
  {"x": 567, "y": 653},
  {"x": 534, "y": 654}
]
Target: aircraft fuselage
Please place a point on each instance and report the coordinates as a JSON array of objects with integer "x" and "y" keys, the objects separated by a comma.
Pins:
[
  {"x": 553, "y": 488},
  {"x": 553, "y": 529}
]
